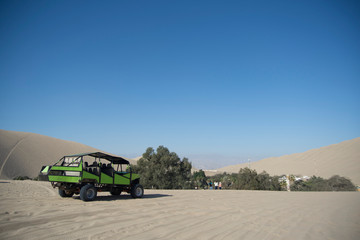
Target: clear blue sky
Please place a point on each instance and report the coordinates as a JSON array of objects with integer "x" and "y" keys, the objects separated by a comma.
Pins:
[{"x": 211, "y": 80}]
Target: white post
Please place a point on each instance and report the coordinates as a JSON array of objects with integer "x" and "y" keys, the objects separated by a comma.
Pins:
[{"x": 288, "y": 183}]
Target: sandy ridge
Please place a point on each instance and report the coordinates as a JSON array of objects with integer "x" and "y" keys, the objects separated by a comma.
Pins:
[
  {"x": 337, "y": 159},
  {"x": 10, "y": 152},
  {"x": 23, "y": 154}
]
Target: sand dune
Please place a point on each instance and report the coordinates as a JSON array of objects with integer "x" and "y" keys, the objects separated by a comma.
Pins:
[
  {"x": 33, "y": 210},
  {"x": 342, "y": 159},
  {"x": 23, "y": 154}
]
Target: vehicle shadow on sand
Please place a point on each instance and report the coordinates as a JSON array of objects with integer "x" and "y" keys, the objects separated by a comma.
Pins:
[{"x": 126, "y": 197}]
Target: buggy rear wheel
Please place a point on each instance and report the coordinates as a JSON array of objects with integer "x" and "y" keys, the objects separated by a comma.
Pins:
[{"x": 137, "y": 191}]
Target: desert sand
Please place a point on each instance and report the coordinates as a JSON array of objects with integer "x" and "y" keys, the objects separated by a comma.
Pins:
[
  {"x": 337, "y": 159},
  {"x": 23, "y": 154},
  {"x": 34, "y": 210}
]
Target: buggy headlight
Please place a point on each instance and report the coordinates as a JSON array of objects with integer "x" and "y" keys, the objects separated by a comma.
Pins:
[{"x": 72, "y": 174}]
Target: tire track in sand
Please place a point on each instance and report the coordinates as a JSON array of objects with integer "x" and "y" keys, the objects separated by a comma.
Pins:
[{"x": 11, "y": 151}]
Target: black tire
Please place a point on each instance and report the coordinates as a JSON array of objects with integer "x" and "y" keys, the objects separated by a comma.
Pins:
[
  {"x": 88, "y": 193},
  {"x": 115, "y": 191},
  {"x": 137, "y": 191},
  {"x": 65, "y": 193}
]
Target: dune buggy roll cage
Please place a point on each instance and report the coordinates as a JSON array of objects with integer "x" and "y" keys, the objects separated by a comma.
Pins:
[
  {"x": 74, "y": 160},
  {"x": 97, "y": 167}
]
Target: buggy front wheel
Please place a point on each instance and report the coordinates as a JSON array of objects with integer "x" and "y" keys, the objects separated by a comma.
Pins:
[{"x": 88, "y": 193}]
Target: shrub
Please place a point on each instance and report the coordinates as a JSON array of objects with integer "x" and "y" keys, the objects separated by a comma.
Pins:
[
  {"x": 199, "y": 178},
  {"x": 335, "y": 183},
  {"x": 248, "y": 179},
  {"x": 21, "y": 178}
]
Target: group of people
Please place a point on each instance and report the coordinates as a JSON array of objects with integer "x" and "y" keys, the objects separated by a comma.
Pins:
[{"x": 215, "y": 185}]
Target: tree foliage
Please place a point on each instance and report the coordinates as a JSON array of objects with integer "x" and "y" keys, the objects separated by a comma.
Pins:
[
  {"x": 338, "y": 183},
  {"x": 199, "y": 179},
  {"x": 227, "y": 180},
  {"x": 246, "y": 179},
  {"x": 249, "y": 179},
  {"x": 163, "y": 169},
  {"x": 335, "y": 183}
]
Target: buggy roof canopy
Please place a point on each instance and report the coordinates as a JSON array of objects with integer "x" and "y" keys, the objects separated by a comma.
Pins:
[{"x": 113, "y": 159}]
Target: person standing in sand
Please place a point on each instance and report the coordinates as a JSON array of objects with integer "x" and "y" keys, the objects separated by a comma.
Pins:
[{"x": 220, "y": 185}]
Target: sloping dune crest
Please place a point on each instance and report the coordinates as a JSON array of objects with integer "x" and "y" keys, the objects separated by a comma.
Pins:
[
  {"x": 23, "y": 154},
  {"x": 338, "y": 159}
]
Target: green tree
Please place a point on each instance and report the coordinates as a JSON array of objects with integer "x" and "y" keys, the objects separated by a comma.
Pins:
[
  {"x": 247, "y": 179},
  {"x": 313, "y": 184},
  {"x": 199, "y": 179},
  {"x": 275, "y": 184},
  {"x": 263, "y": 181},
  {"x": 266, "y": 182},
  {"x": 337, "y": 183},
  {"x": 163, "y": 169},
  {"x": 227, "y": 180}
]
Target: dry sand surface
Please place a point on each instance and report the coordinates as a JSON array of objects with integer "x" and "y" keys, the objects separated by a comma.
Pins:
[
  {"x": 23, "y": 154},
  {"x": 34, "y": 210},
  {"x": 337, "y": 159}
]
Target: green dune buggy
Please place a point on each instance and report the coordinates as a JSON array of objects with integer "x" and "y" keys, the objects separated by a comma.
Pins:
[{"x": 89, "y": 173}]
